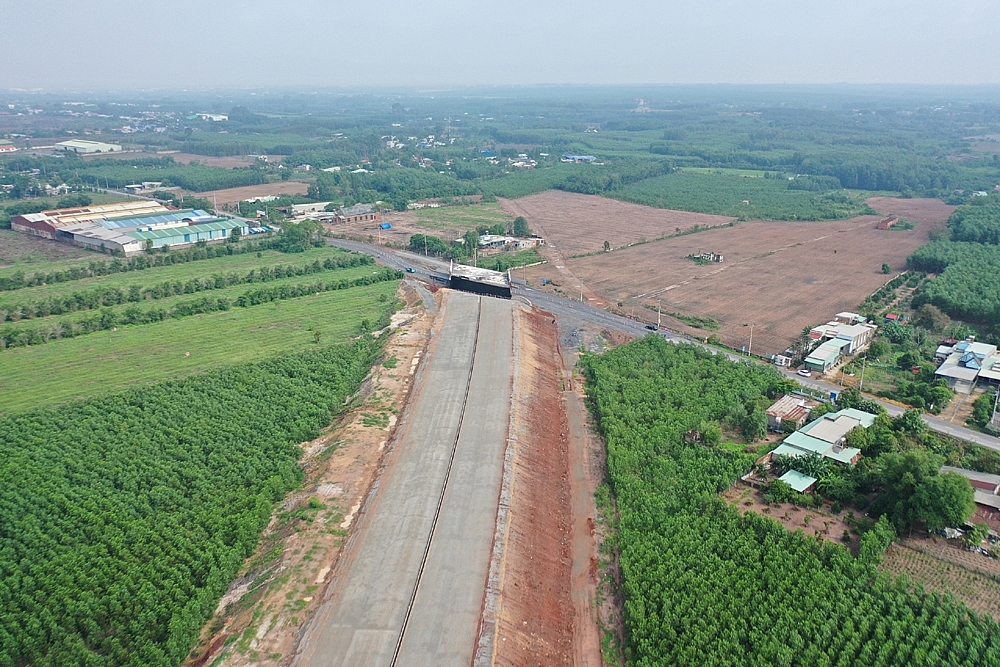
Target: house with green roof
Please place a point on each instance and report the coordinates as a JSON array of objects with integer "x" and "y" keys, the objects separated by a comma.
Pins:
[{"x": 826, "y": 437}]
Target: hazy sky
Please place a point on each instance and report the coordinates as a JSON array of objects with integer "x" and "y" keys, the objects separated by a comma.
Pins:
[{"x": 109, "y": 44}]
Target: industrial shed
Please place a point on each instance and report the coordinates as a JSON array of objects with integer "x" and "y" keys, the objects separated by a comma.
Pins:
[{"x": 187, "y": 234}]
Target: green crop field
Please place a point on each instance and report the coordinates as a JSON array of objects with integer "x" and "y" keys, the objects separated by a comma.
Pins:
[
  {"x": 242, "y": 264},
  {"x": 722, "y": 194},
  {"x": 109, "y": 361}
]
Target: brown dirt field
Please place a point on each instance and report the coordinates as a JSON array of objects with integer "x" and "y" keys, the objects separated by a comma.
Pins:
[
  {"x": 943, "y": 566},
  {"x": 17, "y": 248},
  {"x": 262, "y": 613},
  {"x": 534, "y": 622},
  {"x": 234, "y": 195},
  {"x": 782, "y": 276},
  {"x": 229, "y": 161},
  {"x": 813, "y": 522},
  {"x": 932, "y": 211},
  {"x": 577, "y": 224}
]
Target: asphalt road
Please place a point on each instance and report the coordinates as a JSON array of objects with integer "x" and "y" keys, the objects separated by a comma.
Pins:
[
  {"x": 576, "y": 313},
  {"x": 412, "y": 578}
]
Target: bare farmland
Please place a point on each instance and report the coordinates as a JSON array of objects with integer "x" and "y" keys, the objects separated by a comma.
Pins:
[{"x": 778, "y": 276}]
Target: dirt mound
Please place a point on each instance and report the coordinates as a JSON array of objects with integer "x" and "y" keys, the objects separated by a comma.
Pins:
[{"x": 535, "y": 617}]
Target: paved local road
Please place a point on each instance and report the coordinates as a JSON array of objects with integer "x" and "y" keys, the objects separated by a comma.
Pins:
[
  {"x": 447, "y": 456},
  {"x": 584, "y": 313}
]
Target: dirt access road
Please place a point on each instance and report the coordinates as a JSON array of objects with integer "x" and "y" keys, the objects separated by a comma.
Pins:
[{"x": 409, "y": 590}]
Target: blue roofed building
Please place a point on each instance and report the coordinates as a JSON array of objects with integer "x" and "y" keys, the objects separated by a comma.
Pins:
[{"x": 966, "y": 363}]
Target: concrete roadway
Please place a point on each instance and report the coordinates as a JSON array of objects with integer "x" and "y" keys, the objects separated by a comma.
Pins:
[
  {"x": 584, "y": 313},
  {"x": 424, "y": 539}
]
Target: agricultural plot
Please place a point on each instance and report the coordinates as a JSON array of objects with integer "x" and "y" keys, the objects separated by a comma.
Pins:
[
  {"x": 578, "y": 224},
  {"x": 967, "y": 582},
  {"x": 779, "y": 276},
  {"x": 21, "y": 252},
  {"x": 232, "y": 196}
]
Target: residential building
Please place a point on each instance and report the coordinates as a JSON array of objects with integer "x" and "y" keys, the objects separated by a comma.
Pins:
[
  {"x": 826, "y": 356},
  {"x": 826, "y": 437},
  {"x": 7, "y": 146},
  {"x": 966, "y": 363},
  {"x": 845, "y": 326},
  {"x": 787, "y": 409}
]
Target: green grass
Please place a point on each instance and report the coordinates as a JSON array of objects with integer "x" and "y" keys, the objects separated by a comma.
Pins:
[
  {"x": 745, "y": 173},
  {"x": 770, "y": 199},
  {"x": 109, "y": 361},
  {"x": 96, "y": 198},
  {"x": 509, "y": 260},
  {"x": 203, "y": 268},
  {"x": 465, "y": 217}
]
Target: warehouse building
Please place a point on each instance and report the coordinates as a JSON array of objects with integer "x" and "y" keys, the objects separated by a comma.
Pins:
[
  {"x": 47, "y": 223},
  {"x": 86, "y": 146},
  {"x": 217, "y": 230}
]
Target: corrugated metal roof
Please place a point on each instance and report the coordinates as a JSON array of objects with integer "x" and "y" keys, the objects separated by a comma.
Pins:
[
  {"x": 171, "y": 232},
  {"x": 784, "y": 405},
  {"x": 797, "y": 480},
  {"x": 972, "y": 474},
  {"x": 158, "y": 219}
]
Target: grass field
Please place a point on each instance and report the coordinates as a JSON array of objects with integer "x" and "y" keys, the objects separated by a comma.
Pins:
[
  {"x": 19, "y": 252},
  {"x": 446, "y": 222},
  {"x": 108, "y": 361},
  {"x": 721, "y": 194},
  {"x": 206, "y": 268}
]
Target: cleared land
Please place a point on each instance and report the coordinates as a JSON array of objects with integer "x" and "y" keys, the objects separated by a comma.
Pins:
[
  {"x": 107, "y": 361},
  {"x": 780, "y": 276},
  {"x": 579, "y": 224},
  {"x": 22, "y": 252},
  {"x": 235, "y": 195},
  {"x": 228, "y": 161},
  {"x": 918, "y": 210},
  {"x": 446, "y": 222}
]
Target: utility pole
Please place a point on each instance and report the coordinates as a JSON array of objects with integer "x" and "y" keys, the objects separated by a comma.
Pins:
[
  {"x": 581, "y": 292},
  {"x": 425, "y": 245},
  {"x": 657, "y": 314},
  {"x": 864, "y": 361},
  {"x": 993, "y": 418},
  {"x": 750, "y": 346}
]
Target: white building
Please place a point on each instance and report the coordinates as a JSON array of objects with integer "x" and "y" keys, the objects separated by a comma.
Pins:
[{"x": 87, "y": 146}]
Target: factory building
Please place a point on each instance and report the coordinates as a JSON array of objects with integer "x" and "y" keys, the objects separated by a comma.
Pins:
[
  {"x": 86, "y": 146},
  {"x": 128, "y": 227}
]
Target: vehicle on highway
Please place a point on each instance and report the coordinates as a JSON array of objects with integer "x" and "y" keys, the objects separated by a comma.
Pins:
[
  {"x": 804, "y": 372},
  {"x": 409, "y": 269},
  {"x": 651, "y": 327}
]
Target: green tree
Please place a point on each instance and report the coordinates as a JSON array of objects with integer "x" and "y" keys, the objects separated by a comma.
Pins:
[
  {"x": 607, "y": 246},
  {"x": 754, "y": 425},
  {"x": 886, "y": 269},
  {"x": 858, "y": 437},
  {"x": 944, "y": 500},
  {"x": 910, "y": 422},
  {"x": 931, "y": 318},
  {"x": 900, "y": 475},
  {"x": 879, "y": 348},
  {"x": 520, "y": 227}
]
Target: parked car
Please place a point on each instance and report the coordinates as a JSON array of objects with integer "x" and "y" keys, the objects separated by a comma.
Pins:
[
  {"x": 409, "y": 269},
  {"x": 804, "y": 372},
  {"x": 651, "y": 327}
]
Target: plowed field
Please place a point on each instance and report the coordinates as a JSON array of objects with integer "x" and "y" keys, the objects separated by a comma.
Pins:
[{"x": 779, "y": 276}]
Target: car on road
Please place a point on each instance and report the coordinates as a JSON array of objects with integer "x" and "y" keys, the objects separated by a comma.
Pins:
[
  {"x": 409, "y": 269},
  {"x": 651, "y": 327},
  {"x": 804, "y": 372}
]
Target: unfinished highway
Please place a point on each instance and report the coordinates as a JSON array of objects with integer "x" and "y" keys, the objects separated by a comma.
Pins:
[{"x": 409, "y": 589}]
